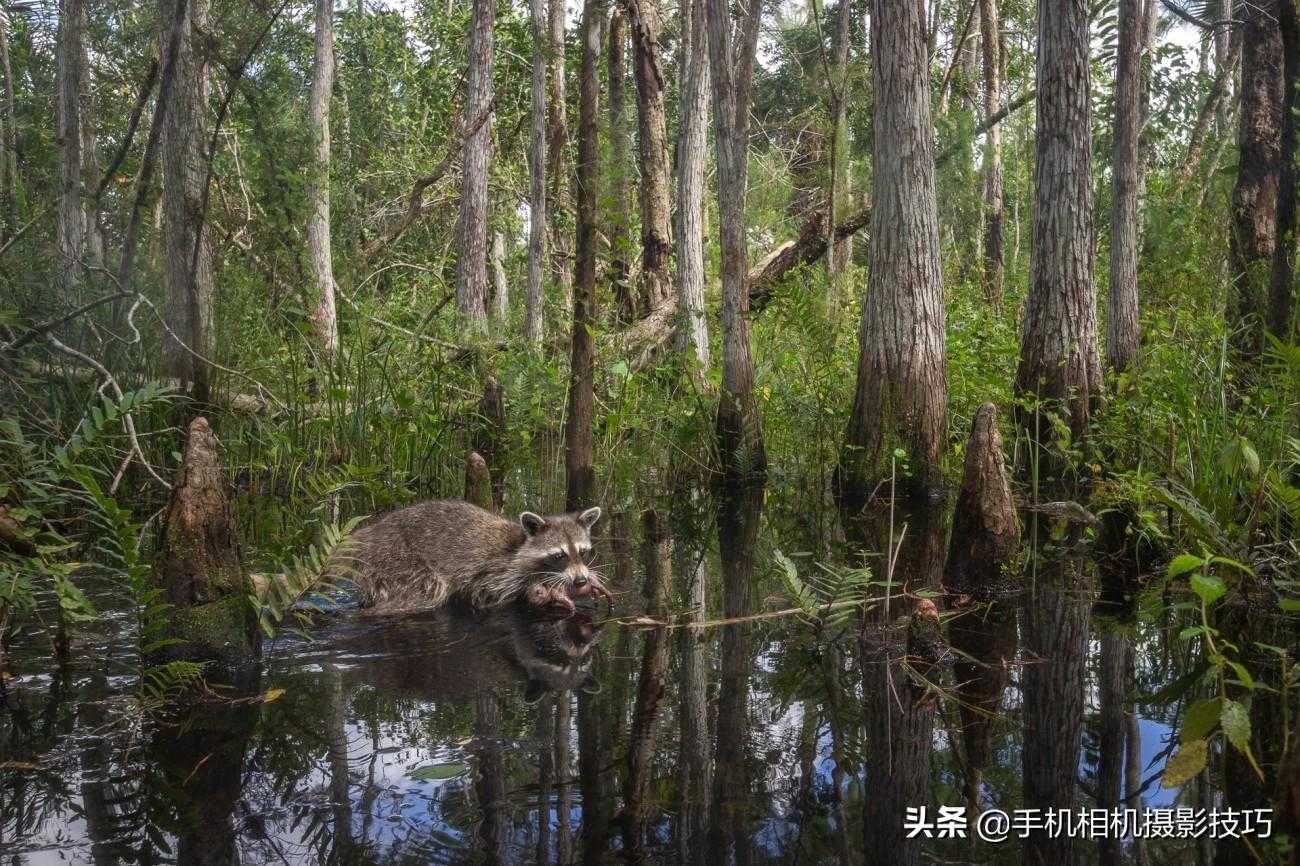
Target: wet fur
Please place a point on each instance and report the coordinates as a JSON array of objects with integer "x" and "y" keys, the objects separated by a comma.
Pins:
[{"x": 429, "y": 554}]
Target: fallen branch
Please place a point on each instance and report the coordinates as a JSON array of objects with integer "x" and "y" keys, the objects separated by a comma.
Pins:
[{"x": 127, "y": 421}]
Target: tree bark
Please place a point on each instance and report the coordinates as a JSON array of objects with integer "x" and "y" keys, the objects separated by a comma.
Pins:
[
  {"x": 731, "y": 66},
  {"x": 619, "y": 221},
  {"x": 692, "y": 326},
  {"x": 187, "y": 273},
  {"x": 500, "y": 283},
  {"x": 557, "y": 146},
  {"x": 1281, "y": 294},
  {"x": 579, "y": 437},
  {"x": 1113, "y": 678},
  {"x": 1059, "y": 364},
  {"x": 71, "y": 217},
  {"x": 991, "y": 37},
  {"x": 1126, "y": 170},
  {"x": 471, "y": 229},
  {"x": 9, "y": 139},
  {"x": 1253, "y": 237},
  {"x": 901, "y": 399},
  {"x": 324, "y": 318},
  {"x": 839, "y": 141},
  {"x": 534, "y": 323},
  {"x": 652, "y": 128}
]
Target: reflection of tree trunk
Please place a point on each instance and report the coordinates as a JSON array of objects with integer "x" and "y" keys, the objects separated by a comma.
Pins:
[
  {"x": 1055, "y": 629},
  {"x": 96, "y": 796},
  {"x": 835, "y": 714},
  {"x": 899, "y": 720},
  {"x": 1115, "y": 649},
  {"x": 985, "y": 639},
  {"x": 490, "y": 781},
  {"x": 1133, "y": 771},
  {"x": 563, "y": 730},
  {"x": 545, "y": 727},
  {"x": 202, "y": 764},
  {"x": 693, "y": 761},
  {"x": 739, "y": 510},
  {"x": 650, "y": 690},
  {"x": 340, "y": 797}
]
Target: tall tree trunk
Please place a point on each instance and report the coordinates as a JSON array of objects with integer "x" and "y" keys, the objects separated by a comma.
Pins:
[
  {"x": 652, "y": 128},
  {"x": 1126, "y": 170},
  {"x": 71, "y": 219},
  {"x": 1059, "y": 363},
  {"x": 533, "y": 300},
  {"x": 619, "y": 220},
  {"x": 557, "y": 147},
  {"x": 901, "y": 398},
  {"x": 187, "y": 273},
  {"x": 500, "y": 305},
  {"x": 1255, "y": 196},
  {"x": 9, "y": 139},
  {"x": 324, "y": 318},
  {"x": 1281, "y": 303},
  {"x": 471, "y": 230},
  {"x": 731, "y": 66},
  {"x": 836, "y": 193},
  {"x": 992, "y": 53},
  {"x": 578, "y": 434},
  {"x": 692, "y": 327}
]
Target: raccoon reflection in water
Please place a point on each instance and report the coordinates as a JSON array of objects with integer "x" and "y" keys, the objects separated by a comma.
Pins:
[{"x": 450, "y": 655}]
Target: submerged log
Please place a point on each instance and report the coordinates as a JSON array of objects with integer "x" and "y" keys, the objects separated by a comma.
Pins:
[
  {"x": 985, "y": 531},
  {"x": 198, "y": 563}
]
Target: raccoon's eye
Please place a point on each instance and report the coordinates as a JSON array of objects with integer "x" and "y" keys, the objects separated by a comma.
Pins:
[{"x": 557, "y": 558}]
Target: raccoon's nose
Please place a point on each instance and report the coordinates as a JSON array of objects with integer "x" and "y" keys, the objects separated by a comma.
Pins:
[{"x": 580, "y": 580}]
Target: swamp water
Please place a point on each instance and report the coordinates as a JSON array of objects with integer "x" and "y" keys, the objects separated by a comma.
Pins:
[{"x": 439, "y": 738}]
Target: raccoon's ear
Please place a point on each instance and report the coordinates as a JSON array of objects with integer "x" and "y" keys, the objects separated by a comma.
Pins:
[
  {"x": 590, "y": 686},
  {"x": 589, "y": 517},
  {"x": 532, "y": 523}
]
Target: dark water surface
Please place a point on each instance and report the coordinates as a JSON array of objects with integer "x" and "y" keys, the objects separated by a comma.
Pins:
[{"x": 441, "y": 738}]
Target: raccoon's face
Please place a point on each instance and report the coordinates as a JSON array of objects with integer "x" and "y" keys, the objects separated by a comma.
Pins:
[
  {"x": 556, "y": 656},
  {"x": 558, "y": 559}
]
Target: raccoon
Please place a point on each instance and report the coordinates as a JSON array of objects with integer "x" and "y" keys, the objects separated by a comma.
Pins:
[{"x": 426, "y": 555}]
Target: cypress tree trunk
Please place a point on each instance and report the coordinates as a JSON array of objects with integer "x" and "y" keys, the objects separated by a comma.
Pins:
[
  {"x": 187, "y": 272},
  {"x": 731, "y": 67},
  {"x": 652, "y": 127},
  {"x": 1255, "y": 196},
  {"x": 1126, "y": 170},
  {"x": 901, "y": 398},
  {"x": 471, "y": 230},
  {"x": 500, "y": 283},
  {"x": 1059, "y": 363},
  {"x": 619, "y": 221},
  {"x": 557, "y": 146},
  {"x": 692, "y": 327},
  {"x": 533, "y": 300},
  {"x": 71, "y": 218},
  {"x": 578, "y": 434},
  {"x": 325, "y": 317},
  {"x": 836, "y": 250},
  {"x": 1281, "y": 303},
  {"x": 992, "y": 54}
]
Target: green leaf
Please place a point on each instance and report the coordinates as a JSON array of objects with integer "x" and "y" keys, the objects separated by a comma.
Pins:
[
  {"x": 1236, "y": 724},
  {"x": 1208, "y": 587},
  {"x": 1201, "y": 718},
  {"x": 1184, "y": 563},
  {"x": 1185, "y": 764},
  {"x": 439, "y": 772},
  {"x": 1190, "y": 632},
  {"x": 1242, "y": 674}
]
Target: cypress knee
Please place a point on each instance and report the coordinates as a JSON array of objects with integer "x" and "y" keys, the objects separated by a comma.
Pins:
[
  {"x": 198, "y": 565},
  {"x": 985, "y": 532}
]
